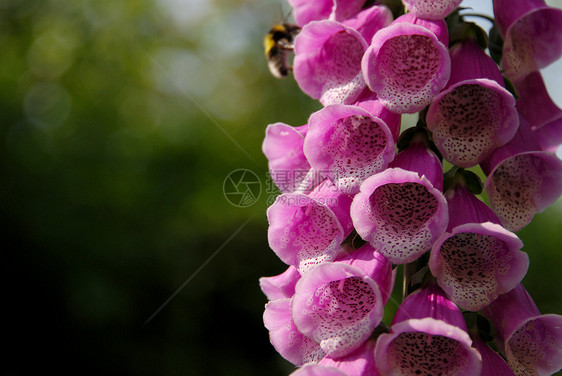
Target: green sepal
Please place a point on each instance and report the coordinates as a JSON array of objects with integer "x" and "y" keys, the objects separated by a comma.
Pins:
[
  {"x": 479, "y": 326},
  {"x": 457, "y": 175},
  {"x": 495, "y": 45}
]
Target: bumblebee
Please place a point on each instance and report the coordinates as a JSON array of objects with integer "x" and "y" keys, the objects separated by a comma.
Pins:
[{"x": 278, "y": 43}]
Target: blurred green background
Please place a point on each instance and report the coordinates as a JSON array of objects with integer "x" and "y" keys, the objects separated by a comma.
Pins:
[{"x": 120, "y": 121}]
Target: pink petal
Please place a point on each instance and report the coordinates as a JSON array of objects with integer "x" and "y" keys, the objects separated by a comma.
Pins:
[
  {"x": 492, "y": 363},
  {"x": 532, "y": 42},
  {"x": 431, "y": 9},
  {"x": 283, "y": 147},
  {"x": 370, "y": 20},
  {"x": 475, "y": 114},
  {"x": 536, "y": 346},
  {"x": 327, "y": 64},
  {"x": 534, "y": 103},
  {"x": 284, "y": 336},
  {"x": 418, "y": 157},
  {"x": 522, "y": 185},
  {"x": 376, "y": 108},
  {"x": 375, "y": 265},
  {"x": 305, "y": 11},
  {"x": 349, "y": 143},
  {"x": 426, "y": 347},
  {"x": 307, "y": 230},
  {"x": 509, "y": 310},
  {"x": 407, "y": 66},
  {"x": 400, "y": 213},
  {"x": 549, "y": 135},
  {"x": 280, "y": 286},
  {"x": 361, "y": 362},
  {"x": 465, "y": 207},
  {"x": 430, "y": 301},
  {"x": 477, "y": 262},
  {"x": 338, "y": 306},
  {"x": 532, "y": 342}
]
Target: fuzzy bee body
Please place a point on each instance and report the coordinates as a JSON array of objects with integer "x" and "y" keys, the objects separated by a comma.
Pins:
[{"x": 278, "y": 43}]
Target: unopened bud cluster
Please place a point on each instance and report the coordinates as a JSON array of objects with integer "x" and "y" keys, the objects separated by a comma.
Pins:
[{"x": 375, "y": 198}]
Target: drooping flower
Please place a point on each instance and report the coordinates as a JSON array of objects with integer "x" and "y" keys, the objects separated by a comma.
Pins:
[
  {"x": 534, "y": 103},
  {"x": 373, "y": 264},
  {"x": 361, "y": 362},
  {"x": 289, "y": 342},
  {"x": 400, "y": 212},
  {"x": 349, "y": 144},
  {"x": 549, "y": 136},
  {"x": 543, "y": 115},
  {"x": 283, "y": 147},
  {"x": 370, "y": 20},
  {"x": 521, "y": 179},
  {"x": 419, "y": 157},
  {"x": 280, "y": 286},
  {"x": 532, "y": 33},
  {"x": 407, "y": 63},
  {"x": 476, "y": 260},
  {"x": 431, "y": 9},
  {"x": 492, "y": 363},
  {"x": 474, "y": 114},
  {"x": 531, "y": 342},
  {"x": 306, "y": 230},
  {"x": 370, "y": 103},
  {"x": 338, "y": 306},
  {"x": 305, "y": 11},
  {"x": 428, "y": 336},
  {"x": 327, "y": 64}
]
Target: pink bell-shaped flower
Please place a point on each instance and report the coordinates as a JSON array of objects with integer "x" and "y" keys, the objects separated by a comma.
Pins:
[
  {"x": 431, "y": 9},
  {"x": 476, "y": 260},
  {"x": 349, "y": 144},
  {"x": 531, "y": 342},
  {"x": 532, "y": 33},
  {"x": 428, "y": 336},
  {"x": 474, "y": 114},
  {"x": 289, "y": 342},
  {"x": 521, "y": 179},
  {"x": 283, "y": 147},
  {"x": 407, "y": 63},
  {"x": 338, "y": 306},
  {"x": 306, "y": 230},
  {"x": 400, "y": 212},
  {"x": 327, "y": 63},
  {"x": 543, "y": 115}
]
